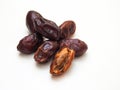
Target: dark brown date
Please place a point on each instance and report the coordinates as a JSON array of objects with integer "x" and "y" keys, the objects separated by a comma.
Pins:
[
  {"x": 30, "y": 20},
  {"x": 30, "y": 43},
  {"x": 62, "y": 61},
  {"x": 80, "y": 47},
  {"x": 47, "y": 28},
  {"x": 46, "y": 51},
  {"x": 67, "y": 29}
]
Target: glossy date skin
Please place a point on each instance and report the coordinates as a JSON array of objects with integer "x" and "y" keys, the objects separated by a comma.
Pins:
[
  {"x": 30, "y": 43},
  {"x": 62, "y": 61},
  {"x": 30, "y": 20},
  {"x": 67, "y": 29},
  {"x": 47, "y": 28},
  {"x": 80, "y": 47},
  {"x": 46, "y": 51}
]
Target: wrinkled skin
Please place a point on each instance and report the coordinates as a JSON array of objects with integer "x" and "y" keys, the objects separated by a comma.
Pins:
[
  {"x": 80, "y": 47},
  {"x": 46, "y": 51},
  {"x": 67, "y": 29},
  {"x": 30, "y": 20},
  {"x": 47, "y": 28},
  {"x": 30, "y": 43},
  {"x": 62, "y": 61}
]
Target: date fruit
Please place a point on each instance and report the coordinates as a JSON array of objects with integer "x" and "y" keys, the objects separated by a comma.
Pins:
[
  {"x": 47, "y": 28},
  {"x": 30, "y": 20},
  {"x": 58, "y": 45},
  {"x": 80, "y": 47},
  {"x": 45, "y": 51},
  {"x": 30, "y": 43},
  {"x": 62, "y": 61},
  {"x": 67, "y": 29}
]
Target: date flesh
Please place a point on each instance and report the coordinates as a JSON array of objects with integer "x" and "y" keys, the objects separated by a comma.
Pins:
[
  {"x": 30, "y": 43},
  {"x": 62, "y": 61},
  {"x": 67, "y": 29},
  {"x": 80, "y": 47},
  {"x": 46, "y": 51}
]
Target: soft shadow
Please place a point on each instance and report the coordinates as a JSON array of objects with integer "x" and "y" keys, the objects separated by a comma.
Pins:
[
  {"x": 81, "y": 57},
  {"x": 73, "y": 36},
  {"x": 43, "y": 65},
  {"x": 22, "y": 55}
]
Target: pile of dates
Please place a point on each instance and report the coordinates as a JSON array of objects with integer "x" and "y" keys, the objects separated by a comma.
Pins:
[{"x": 51, "y": 42}]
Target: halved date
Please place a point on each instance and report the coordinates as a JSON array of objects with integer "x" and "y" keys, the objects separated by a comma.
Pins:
[
  {"x": 46, "y": 51},
  {"x": 80, "y": 47},
  {"x": 62, "y": 61}
]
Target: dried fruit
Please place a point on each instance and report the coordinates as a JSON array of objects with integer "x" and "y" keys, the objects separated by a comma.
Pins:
[
  {"x": 45, "y": 51},
  {"x": 58, "y": 41},
  {"x": 47, "y": 28},
  {"x": 80, "y": 47},
  {"x": 37, "y": 23},
  {"x": 67, "y": 29},
  {"x": 62, "y": 61},
  {"x": 30, "y": 43},
  {"x": 30, "y": 20}
]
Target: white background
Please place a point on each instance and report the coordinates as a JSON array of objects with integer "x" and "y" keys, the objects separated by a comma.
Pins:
[{"x": 98, "y": 24}]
